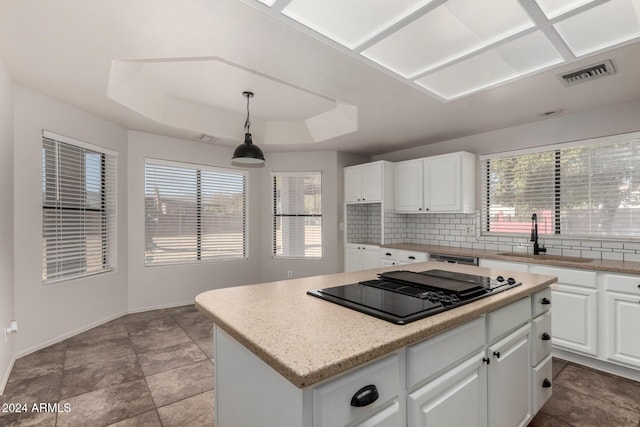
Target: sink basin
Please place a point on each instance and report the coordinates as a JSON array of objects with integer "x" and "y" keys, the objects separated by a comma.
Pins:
[{"x": 559, "y": 258}]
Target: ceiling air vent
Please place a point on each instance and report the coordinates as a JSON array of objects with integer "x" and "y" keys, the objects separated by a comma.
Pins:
[
  {"x": 203, "y": 137},
  {"x": 589, "y": 73}
]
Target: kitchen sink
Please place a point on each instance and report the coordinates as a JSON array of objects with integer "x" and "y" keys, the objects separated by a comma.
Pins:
[{"x": 559, "y": 258}]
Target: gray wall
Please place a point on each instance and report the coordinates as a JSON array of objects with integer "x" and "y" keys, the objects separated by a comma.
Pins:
[
  {"x": 6, "y": 221},
  {"x": 169, "y": 285},
  {"x": 48, "y": 313}
]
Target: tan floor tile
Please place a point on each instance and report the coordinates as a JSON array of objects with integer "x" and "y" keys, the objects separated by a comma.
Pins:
[
  {"x": 168, "y": 358},
  {"x": 180, "y": 383},
  {"x": 194, "y": 411}
]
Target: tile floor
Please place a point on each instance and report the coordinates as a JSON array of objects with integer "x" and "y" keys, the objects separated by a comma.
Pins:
[
  {"x": 155, "y": 369},
  {"x": 144, "y": 369}
]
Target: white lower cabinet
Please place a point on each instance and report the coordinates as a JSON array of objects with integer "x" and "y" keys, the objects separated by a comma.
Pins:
[
  {"x": 456, "y": 398},
  {"x": 624, "y": 318},
  {"x": 387, "y": 417},
  {"x": 575, "y": 318},
  {"x": 510, "y": 389},
  {"x": 361, "y": 257},
  {"x": 575, "y": 309}
]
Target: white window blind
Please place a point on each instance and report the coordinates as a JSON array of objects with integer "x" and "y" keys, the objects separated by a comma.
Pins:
[
  {"x": 297, "y": 215},
  {"x": 78, "y": 208},
  {"x": 193, "y": 213},
  {"x": 589, "y": 189}
]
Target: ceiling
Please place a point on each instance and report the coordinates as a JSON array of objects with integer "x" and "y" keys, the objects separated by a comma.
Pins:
[{"x": 179, "y": 68}]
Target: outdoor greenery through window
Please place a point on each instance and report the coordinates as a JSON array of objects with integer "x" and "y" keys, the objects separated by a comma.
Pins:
[
  {"x": 297, "y": 215},
  {"x": 588, "y": 189},
  {"x": 194, "y": 213},
  {"x": 78, "y": 208}
]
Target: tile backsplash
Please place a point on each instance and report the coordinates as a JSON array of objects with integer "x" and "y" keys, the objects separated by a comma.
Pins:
[
  {"x": 460, "y": 231},
  {"x": 364, "y": 223}
]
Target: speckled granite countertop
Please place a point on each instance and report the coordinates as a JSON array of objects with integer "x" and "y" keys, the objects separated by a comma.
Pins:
[
  {"x": 308, "y": 340},
  {"x": 585, "y": 263}
]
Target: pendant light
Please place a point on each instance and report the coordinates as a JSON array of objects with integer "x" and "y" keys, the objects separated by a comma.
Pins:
[{"x": 247, "y": 153}]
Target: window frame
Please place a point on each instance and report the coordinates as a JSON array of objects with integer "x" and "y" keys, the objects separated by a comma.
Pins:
[
  {"x": 275, "y": 215},
  {"x": 199, "y": 168},
  {"x": 486, "y": 159},
  {"x": 107, "y": 210}
]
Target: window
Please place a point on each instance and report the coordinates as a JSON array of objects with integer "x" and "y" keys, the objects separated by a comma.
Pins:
[
  {"x": 78, "y": 208},
  {"x": 297, "y": 215},
  {"x": 587, "y": 189},
  {"x": 194, "y": 213}
]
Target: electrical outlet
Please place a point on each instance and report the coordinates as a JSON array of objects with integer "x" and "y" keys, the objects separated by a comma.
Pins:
[
  {"x": 469, "y": 230},
  {"x": 290, "y": 274},
  {"x": 11, "y": 329}
]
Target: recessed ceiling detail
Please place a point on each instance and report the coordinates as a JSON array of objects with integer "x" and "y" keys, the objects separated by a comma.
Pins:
[
  {"x": 455, "y": 48},
  {"x": 205, "y": 95}
]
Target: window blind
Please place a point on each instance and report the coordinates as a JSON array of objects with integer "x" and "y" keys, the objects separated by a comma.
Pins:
[
  {"x": 589, "y": 189},
  {"x": 297, "y": 215},
  {"x": 193, "y": 213},
  {"x": 78, "y": 208}
]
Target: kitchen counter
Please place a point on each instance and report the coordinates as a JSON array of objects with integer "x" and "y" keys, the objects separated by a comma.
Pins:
[
  {"x": 308, "y": 340},
  {"x": 627, "y": 267}
]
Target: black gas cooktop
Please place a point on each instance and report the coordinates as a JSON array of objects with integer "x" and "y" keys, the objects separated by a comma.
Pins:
[{"x": 404, "y": 296}]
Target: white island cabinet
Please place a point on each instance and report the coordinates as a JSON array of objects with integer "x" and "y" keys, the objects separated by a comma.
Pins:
[{"x": 284, "y": 358}]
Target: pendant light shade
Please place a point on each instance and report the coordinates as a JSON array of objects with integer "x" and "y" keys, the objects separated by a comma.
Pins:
[{"x": 248, "y": 153}]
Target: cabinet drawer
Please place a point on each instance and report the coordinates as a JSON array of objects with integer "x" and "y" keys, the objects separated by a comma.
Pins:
[
  {"x": 388, "y": 254},
  {"x": 410, "y": 256},
  {"x": 626, "y": 284},
  {"x": 542, "y": 387},
  {"x": 541, "y": 335},
  {"x": 540, "y": 302},
  {"x": 508, "y": 318},
  {"x": 586, "y": 279},
  {"x": 388, "y": 417},
  {"x": 332, "y": 401},
  {"x": 432, "y": 356}
]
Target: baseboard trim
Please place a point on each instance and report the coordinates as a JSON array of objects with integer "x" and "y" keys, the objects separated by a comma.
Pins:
[
  {"x": 597, "y": 364},
  {"x": 5, "y": 378}
]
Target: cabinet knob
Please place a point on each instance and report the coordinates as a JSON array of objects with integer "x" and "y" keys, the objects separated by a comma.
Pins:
[
  {"x": 545, "y": 301},
  {"x": 419, "y": 209},
  {"x": 365, "y": 396},
  {"x": 496, "y": 354},
  {"x": 546, "y": 383},
  {"x": 546, "y": 337},
  {"x": 486, "y": 360}
]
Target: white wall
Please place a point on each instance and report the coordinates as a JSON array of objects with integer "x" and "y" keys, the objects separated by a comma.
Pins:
[
  {"x": 6, "y": 221},
  {"x": 162, "y": 286},
  {"x": 49, "y": 313},
  {"x": 610, "y": 120},
  {"x": 310, "y": 161}
]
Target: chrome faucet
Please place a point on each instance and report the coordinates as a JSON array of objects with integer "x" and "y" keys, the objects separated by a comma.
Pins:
[{"x": 534, "y": 236}]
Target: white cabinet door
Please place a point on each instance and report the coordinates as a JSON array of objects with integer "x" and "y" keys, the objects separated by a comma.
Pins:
[
  {"x": 509, "y": 380},
  {"x": 371, "y": 182},
  {"x": 352, "y": 184},
  {"x": 623, "y": 320},
  {"x": 574, "y": 321},
  {"x": 442, "y": 184},
  {"x": 353, "y": 258},
  {"x": 409, "y": 184},
  {"x": 370, "y": 257},
  {"x": 361, "y": 257},
  {"x": 456, "y": 398}
]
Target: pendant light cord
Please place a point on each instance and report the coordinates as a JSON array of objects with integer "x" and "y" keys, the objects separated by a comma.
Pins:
[{"x": 247, "y": 123}]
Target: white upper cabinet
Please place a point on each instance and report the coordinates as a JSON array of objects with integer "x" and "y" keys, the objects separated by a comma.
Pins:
[
  {"x": 443, "y": 183},
  {"x": 369, "y": 183}
]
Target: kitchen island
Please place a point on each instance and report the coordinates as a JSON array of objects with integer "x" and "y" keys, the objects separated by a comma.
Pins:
[{"x": 283, "y": 357}]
